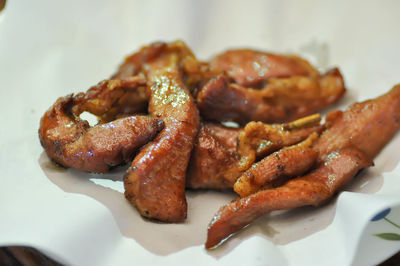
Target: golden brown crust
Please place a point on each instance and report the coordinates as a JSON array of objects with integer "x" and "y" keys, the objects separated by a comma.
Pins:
[
  {"x": 276, "y": 168},
  {"x": 258, "y": 140}
]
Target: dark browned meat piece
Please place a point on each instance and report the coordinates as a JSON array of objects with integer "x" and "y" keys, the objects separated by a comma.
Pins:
[
  {"x": 214, "y": 161},
  {"x": 155, "y": 182},
  {"x": 250, "y": 67},
  {"x": 312, "y": 189},
  {"x": 279, "y": 100},
  {"x": 71, "y": 142},
  {"x": 276, "y": 168}
]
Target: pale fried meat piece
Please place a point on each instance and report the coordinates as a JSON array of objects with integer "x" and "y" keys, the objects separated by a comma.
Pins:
[
  {"x": 368, "y": 125},
  {"x": 278, "y": 167},
  {"x": 155, "y": 182},
  {"x": 258, "y": 140},
  {"x": 71, "y": 142},
  {"x": 352, "y": 138},
  {"x": 250, "y": 67},
  {"x": 312, "y": 189},
  {"x": 113, "y": 98},
  {"x": 214, "y": 161},
  {"x": 283, "y": 99}
]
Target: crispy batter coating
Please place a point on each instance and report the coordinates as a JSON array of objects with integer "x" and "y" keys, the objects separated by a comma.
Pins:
[
  {"x": 71, "y": 142},
  {"x": 281, "y": 99},
  {"x": 155, "y": 182},
  {"x": 214, "y": 161}
]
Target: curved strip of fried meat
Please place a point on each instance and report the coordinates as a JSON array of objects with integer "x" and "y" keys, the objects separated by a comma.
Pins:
[
  {"x": 72, "y": 142},
  {"x": 155, "y": 182}
]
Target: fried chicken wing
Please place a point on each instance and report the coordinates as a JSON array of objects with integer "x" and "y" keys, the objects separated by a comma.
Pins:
[
  {"x": 155, "y": 182},
  {"x": 351, "y": 140},
  {"x": 281, "y": 99},
  {"x": 72, "y": 142}
]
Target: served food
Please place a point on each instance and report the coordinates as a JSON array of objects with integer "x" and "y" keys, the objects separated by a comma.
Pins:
[
  {"x": 349, "y": 143},
  {"x": 155, "y": 182},
  {"x": 161, "y": 112},
  {"x": 72, "y": 142},
  {"x": 281, "y": 93}
]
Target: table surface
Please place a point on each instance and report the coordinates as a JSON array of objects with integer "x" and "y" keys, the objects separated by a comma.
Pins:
[{"x": 28, "y": 256}]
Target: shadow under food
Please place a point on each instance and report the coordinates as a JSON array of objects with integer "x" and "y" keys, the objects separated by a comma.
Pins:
[
  {"x": 280, "y": 227},
  {"x": 156, "y": 237}
]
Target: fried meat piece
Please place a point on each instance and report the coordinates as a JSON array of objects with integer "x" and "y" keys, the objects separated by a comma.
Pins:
[
  {"x": 113, "y": 98},
  {"x": 214, "y": 161},
  {"x": 351, "y": 140},
  {"x": 155, "y": 182},
  {"x": 258, "y": 140},
  {"x": 278, "y": 167},
  {"x": 312, "y": 189},
  {"x": 72, "y": 142},
  {"x": 281, "y": 99},
  {"x": 250, "y": 67},
  {"x": 222, "y": 154},
  {"x": 368, "y": 125}
]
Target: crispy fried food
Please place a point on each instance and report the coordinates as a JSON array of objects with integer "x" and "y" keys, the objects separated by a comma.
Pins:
[
  {"x": 252, "y": 68},
  {"x": 368, "y": 125},
  {"x": 133, "y": 64},
  {"x": 214, "y": 163},
  {"x": 217, "y": 161},
  {"x": 312, "y": 189},
  {"x": 276, "y": 168},
  {"x": 281, "y": 99},
  {"x": 221, "y": 155},
  {"x": 71, "y": 142},
  {"x": 113, "y": 98},
  {"x": 351, "y": 139},
  {"x": 155, "y": 182},
  {"x": 258, "y": 140},
  {"x": 194, "y": 73}
]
